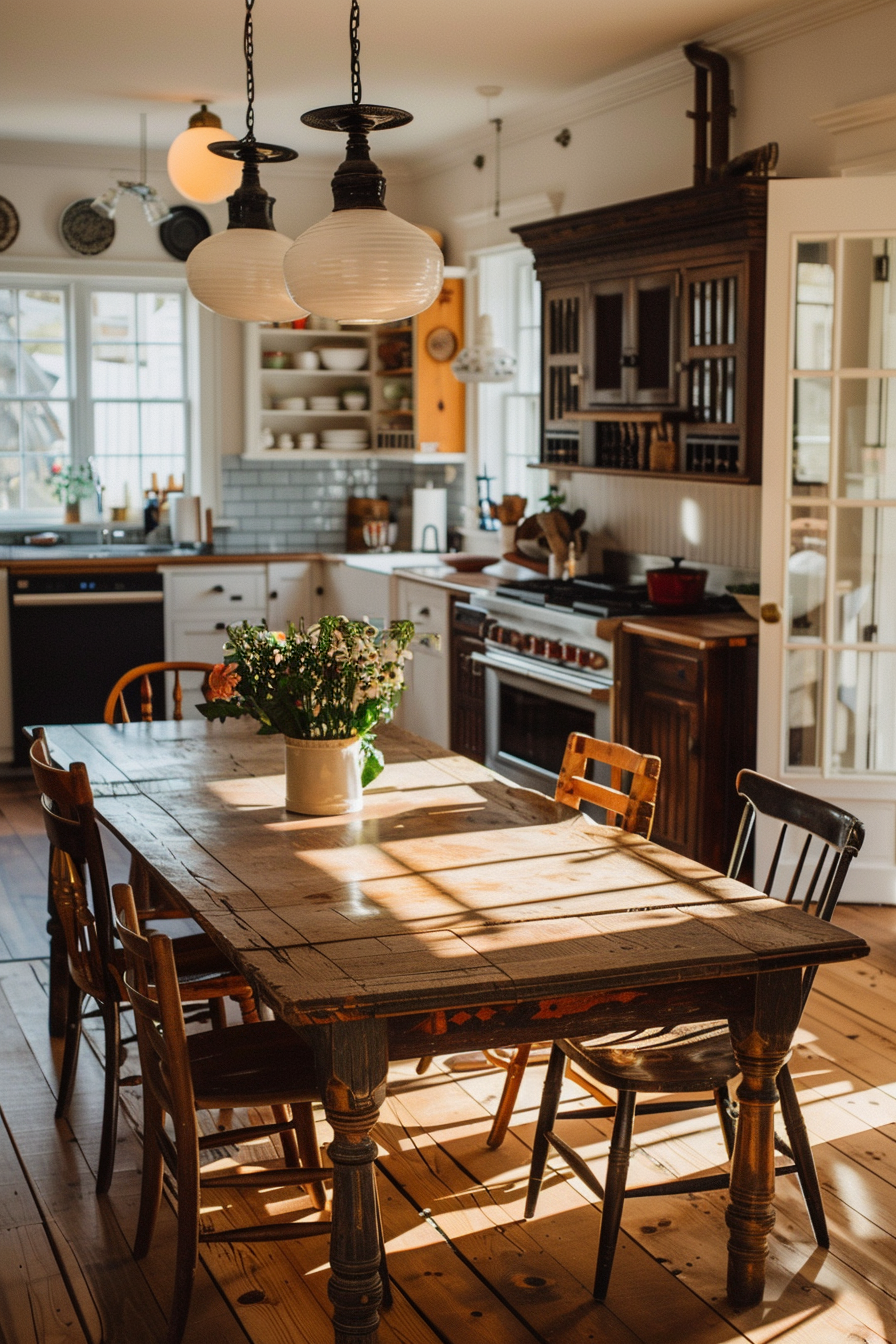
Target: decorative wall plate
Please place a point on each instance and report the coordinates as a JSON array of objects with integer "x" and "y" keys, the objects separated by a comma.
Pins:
[
  {"x": 85, "y": 231},
  {"x": 441, "y": 344},
  {"x": 183, "y": 230},
  {"x": 9, "y": 224}
]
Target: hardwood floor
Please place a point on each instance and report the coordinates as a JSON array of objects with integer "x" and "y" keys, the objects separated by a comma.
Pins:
[{"x": 466, "y": 1268}]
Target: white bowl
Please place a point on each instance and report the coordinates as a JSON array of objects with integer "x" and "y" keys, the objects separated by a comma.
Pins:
[
  {"x": 749, "y": 602},
  {"x": 343, "y": 356},
  {"x": 325, "y": 403},
  {"x": 354, "y": 401},
  {"x": 292, "y": 404}
]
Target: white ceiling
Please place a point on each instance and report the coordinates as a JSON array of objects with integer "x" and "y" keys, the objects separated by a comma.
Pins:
[{"x": 82, "y": 72}]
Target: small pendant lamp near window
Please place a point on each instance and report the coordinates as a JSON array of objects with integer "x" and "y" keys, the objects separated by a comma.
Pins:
[
  {"x": 483, "y": 361},
  {"x": 239, "y": 273},
  {"x": 196, "y": 174},
  {"x": 362, "y": 263}
]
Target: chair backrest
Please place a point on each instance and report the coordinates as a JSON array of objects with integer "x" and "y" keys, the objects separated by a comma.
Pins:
[
  {"x": 150, "y": 982},
  {"x": 818, "y": 877},
  {"x": 115, "y": 702},
  {"x": 631, "y": 811},
  {"x": 76, "y": 856}
]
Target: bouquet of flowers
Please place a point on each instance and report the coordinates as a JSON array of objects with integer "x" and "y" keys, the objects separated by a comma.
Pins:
[
  {"x": 337, "y": 679},
  {"x": 70, "y": 482}
]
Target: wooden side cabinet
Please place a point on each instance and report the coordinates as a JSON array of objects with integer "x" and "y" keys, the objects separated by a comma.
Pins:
[{"x": 689, "y": 697}]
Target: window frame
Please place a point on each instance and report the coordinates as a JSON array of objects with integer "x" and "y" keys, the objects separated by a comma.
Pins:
[{"x": 202, "y": 373}]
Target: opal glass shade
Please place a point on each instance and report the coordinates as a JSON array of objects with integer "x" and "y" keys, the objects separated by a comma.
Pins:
[
  {"x": 197, "y": 174},
  {"x": 364, "y": 266},
  {"x": 484, "y": 362},
  {"x": 239, "y": 273}
]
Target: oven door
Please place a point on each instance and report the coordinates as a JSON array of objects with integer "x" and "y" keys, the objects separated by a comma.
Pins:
[{"x": 529, "y": 714}]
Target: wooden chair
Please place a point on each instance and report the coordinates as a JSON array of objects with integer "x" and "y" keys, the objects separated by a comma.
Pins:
[
  {"x": 699, "y": 1058},
  {"x": 265, "y": 1064},
  {"x": 79, "y": 896},
  {"x": 116, "y": 701},
  {"x": 630, "y": 811}
]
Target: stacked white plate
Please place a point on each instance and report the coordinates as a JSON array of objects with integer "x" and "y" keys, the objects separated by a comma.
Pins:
[
  {"x": 325, "y": 403},
  {"x": 346, "y": 440}
]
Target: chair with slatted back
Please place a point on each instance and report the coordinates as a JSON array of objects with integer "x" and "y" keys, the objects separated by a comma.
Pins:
[
  {"x": 630, "y": 810},
  {"x": 79, "y": 894},
  {"x": 699, "y": 1059},
  {"x": 262, "y": 1065},
  {"x": 116, "y": 703}
]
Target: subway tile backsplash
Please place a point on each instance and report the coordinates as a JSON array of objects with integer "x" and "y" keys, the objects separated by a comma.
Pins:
[{"x": 301, "y": 505}]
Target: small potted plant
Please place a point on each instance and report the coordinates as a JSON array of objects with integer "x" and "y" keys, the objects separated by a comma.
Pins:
[
  {"x": 71, "y": 482},
  {"x": 325, "y": 689}
]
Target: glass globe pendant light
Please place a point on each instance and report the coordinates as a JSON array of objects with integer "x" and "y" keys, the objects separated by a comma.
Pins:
[
  {"x": 192, "y": 170},
  {"x": 362, "y": 264},
  {"x": 239, "y": 273}
]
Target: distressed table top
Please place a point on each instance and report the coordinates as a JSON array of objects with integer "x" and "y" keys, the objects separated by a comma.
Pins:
[{"x": 451, "y": 886}]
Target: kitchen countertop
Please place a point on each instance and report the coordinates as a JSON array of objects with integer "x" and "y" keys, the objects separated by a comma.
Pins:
[{"x": 695, "y": 632}]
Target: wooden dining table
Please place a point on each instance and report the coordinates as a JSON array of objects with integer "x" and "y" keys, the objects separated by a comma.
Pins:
[{"x": 455, "y": 911}]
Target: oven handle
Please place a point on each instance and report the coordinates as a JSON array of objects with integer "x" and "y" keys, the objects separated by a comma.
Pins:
[
  {"x": 85, "y": 599},
  {"x": 551, "y": 676}
]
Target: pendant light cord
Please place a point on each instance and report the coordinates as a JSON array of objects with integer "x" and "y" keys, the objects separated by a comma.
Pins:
[
  {"x": 355, "y": 43},
  {"x": 249, "y": 51}
]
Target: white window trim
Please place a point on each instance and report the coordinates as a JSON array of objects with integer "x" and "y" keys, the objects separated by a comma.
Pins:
[{"x": 203, "y": 364}]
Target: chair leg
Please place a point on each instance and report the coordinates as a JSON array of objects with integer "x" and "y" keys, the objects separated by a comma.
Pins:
[
  {"x": 217, "y": 1012},
  {"x": 617, "y": 1170},
  {"x": 550, "y": 1102},
  {"x": 187, "y": 1234},
  {"x": 151, "y": 1180},
  {"x": 423, "y": 1063},
  {"x": 802, "y": 1156},
  {"x": 726, "y": 1120},
  {"x": 512, "y": 1084},
  {"x": 308, "y": 1150},
  {"x": 70, "y": 1051},
  {"x": 384, "y": 1268},
  {"x": 111, "y": 1050},
  {"x": 288, "y": 1142},
  {"x": 248, "y": 1008}
]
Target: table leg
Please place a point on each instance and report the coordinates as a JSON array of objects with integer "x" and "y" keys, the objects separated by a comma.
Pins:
[
  {"x": 352, "y": 1061},
  {"x": 761, "y": 1042}
]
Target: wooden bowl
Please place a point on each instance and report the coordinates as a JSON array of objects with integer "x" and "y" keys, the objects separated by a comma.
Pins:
[{"x": 469, "y": 564}]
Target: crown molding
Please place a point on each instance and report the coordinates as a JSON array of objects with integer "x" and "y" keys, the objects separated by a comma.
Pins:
[
  {"x": 655, "y": 75},
  {"x": 872, "y": 165},
  {"x": 856, "y": 115},
  {"x": 122, "y": 161},
  {"x": 518, "y": 211}
]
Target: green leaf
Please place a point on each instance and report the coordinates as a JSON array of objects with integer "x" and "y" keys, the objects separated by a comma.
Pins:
[
  {"x": 373, "y": 764},
  {"x": 221, "y": 709}
]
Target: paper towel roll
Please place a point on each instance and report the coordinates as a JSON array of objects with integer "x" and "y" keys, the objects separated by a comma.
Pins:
[
  {"x": 185, "y": 519},
  {"x": 430, "y": 526}
]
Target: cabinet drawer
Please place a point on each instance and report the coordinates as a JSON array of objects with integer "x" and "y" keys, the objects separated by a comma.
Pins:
[
  {"x": 231, "y": 591},
  {"x": 202, "y": 640},
  {"x": 662, "y": 669}
]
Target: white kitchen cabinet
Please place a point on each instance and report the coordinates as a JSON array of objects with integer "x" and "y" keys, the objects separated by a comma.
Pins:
[
  {"x": 425, "y": 706},
  {"x": 200, "y": 603},
  {"x": 6, "y": 725},
  {"x": 359, "y": 594},
  {"x": 289, "y": 596}
]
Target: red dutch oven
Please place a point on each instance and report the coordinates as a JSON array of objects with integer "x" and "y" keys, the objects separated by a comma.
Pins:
[{"x": 676, "y": 587}]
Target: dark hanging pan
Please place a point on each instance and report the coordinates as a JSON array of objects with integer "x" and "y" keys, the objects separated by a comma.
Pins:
[
  {"x": 183, "y": 230},
  {"x": 9, "y": 224}
]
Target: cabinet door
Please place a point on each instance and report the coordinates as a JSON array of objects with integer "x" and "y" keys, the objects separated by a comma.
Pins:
[
  {"x": 289, "y": 594},
  {"x": 715, "y": 360},
  {"x": 467, "y": 698},
  {"x": 610, "y": 343},
  {"x": 654, "y": 324},
  {"x": 359, "y": 594},
  {"x": 425, "y": 704}
]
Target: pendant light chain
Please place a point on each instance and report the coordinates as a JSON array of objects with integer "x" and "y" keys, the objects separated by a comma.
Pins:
[
  {"x": 355, "y": 42},
  {"x": 249, "y": 50}
]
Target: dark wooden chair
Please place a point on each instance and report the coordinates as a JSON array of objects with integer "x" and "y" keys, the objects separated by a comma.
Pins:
[
  {"x": 261, "y": 1065},
  {"x": 631, "y": 810},
  {"x": 699, "y": 1058},
  {"x": 81, "y": 903},
  {"x": 116, "y": 703}
]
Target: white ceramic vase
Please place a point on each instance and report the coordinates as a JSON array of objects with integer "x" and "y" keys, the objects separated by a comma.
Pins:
[{"x": 323, "y": 775}]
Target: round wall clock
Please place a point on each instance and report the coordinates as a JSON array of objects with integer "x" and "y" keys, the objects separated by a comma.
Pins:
[
  {"x": 441, "y": 344},
  {"x": 85, "y": 231},
  {"x": 9, "y": 224}
]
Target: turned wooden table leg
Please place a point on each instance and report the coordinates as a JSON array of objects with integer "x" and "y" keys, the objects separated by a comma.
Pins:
[
  {"x": 352, "y": 1060},
  {"x": 761, "y": 1043}
]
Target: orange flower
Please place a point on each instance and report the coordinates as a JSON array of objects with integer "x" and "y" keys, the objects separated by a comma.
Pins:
[{"x": 223, "y": 681}]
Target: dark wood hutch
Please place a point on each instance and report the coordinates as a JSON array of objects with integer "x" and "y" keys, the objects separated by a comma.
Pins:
[{"x": 653, "y": 314}]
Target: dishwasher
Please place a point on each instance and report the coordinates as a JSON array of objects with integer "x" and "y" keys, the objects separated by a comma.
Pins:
[{"x": 72, "y": 637}]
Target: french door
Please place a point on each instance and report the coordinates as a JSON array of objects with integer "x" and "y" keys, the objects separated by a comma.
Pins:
[{"x": 827, "y": 680}]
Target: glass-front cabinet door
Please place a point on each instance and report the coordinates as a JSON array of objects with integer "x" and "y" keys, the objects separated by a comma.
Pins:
[{"x": 828, "y": 659}]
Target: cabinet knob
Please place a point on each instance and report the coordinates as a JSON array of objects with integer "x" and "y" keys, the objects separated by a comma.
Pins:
[
  {"x": 770, "y": 613},
  {"x": 220, "y": 625},
  {"x": 424, "y": 611},
  {"x": 218, "y": 588},
  {"x": 272, "y": 597},
  {"x": 236, "y": 597},
  {"x": 319, "y": 592}
]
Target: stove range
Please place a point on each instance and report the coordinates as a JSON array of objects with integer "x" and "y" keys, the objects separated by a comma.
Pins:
[{"x": 592, "y": 595}]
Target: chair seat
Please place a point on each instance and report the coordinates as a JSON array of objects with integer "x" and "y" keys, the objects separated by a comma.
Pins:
[
  {"x": 684, "y": 1059},
  {"x": 202, "y": 970},
  {"x": 261, "y": 1063}
]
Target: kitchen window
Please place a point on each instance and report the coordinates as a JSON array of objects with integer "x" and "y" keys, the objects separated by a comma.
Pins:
[{"x": 91, "y": 370}]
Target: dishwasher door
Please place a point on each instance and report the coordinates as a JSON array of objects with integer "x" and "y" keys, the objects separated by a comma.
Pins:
[{"x": 72, "y": 637}]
